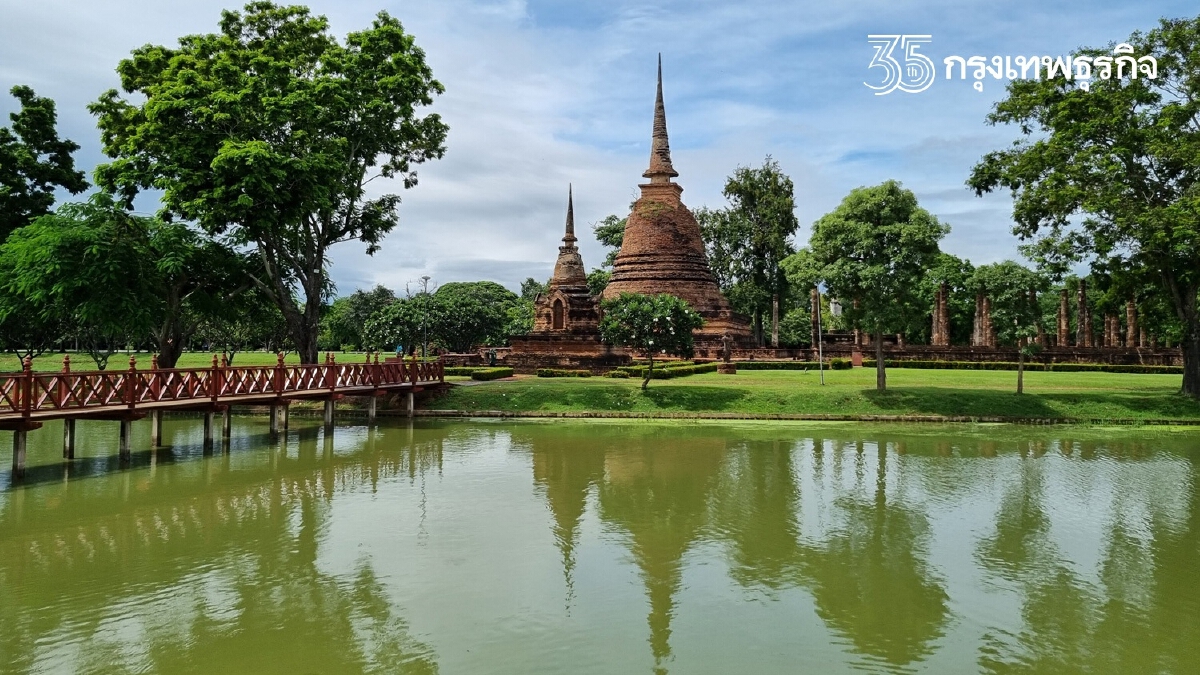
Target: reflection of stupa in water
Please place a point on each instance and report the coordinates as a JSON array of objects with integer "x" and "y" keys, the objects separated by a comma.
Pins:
[{"x": 658, "y": 493}]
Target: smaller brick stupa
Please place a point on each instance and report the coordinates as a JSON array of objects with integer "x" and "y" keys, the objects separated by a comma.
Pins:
[
  {"x": 663, "y": 250},
  {"x": 567, "y": 306}
]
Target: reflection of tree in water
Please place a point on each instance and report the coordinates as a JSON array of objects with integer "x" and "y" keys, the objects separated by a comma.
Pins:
[
  {"x": 868, "y": 577},
  {"x": 184, "y": 574},
  {"x": 656, "y": 489},
  {"x": 1140, "y": 616},
  {"x": 870, "y": 580}
]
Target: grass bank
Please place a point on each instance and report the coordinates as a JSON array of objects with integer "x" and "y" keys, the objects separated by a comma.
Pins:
[{"x": 1094, "y": 397}]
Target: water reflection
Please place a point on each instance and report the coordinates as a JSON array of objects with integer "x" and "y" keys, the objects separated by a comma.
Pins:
[{"x": 910, "y": 548}]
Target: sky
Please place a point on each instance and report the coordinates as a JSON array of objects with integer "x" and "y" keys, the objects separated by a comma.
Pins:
[{"x": 542, "y": 94}]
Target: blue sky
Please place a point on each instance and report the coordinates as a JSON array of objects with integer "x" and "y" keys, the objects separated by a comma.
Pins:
[{"x": 540, "y": 94}]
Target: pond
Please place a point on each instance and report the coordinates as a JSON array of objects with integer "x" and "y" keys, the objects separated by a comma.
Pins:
[{"x": 604, "y": 547}]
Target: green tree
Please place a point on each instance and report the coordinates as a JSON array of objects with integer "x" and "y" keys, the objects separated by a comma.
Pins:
[
  {"x": 651, "y": 324},
  {"x": 610, "y": 232},
  {"x": 874, "y": 250},
  {"x": 474, "y": 313},
  {"x": 405, "y": 323},
  {"x": 268, "y": 133},
  {"x": 1013, "y": 290},
  {"x": 248, "y": 320},
  {"x": 519, "y": 317},
  {"x": 531, "y": 288},
  {"x": 33, "y": 162},
  {"x": 113, "y": 278},
  {"x": 597, "y": 280},
  {"x": 956, "y": 273},
  {"x": 342, "y": 325},
  {"x": 1125, "y": 154},
  {"x": 748, "y": 243}
]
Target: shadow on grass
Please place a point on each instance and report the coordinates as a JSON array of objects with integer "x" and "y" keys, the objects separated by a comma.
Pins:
[{"x": 984, "y": 402}]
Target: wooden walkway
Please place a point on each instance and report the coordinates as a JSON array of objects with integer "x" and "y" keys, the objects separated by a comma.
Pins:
[{"x": 28, "y": 398}]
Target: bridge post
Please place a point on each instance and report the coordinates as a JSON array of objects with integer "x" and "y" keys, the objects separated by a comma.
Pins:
[
  {"x": 410, "y": 402},
  {"x": 283, "y": 414},
  {"x": 227, "y": 426},
  {"x": 69, "y": 438},
  {"x": 156, "y": 435},
  {"x": 124, "y": 442},
  {"x": 20, "y": 436},
  {"x": 208, "y": 430},
  {"x": 274, "y": 418},
  {"x": 371, "y": 409},
  {"x": 328, "y": 413}
]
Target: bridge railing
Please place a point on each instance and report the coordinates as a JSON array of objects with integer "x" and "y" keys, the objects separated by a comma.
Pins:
[{"x": 28, "y": 392}]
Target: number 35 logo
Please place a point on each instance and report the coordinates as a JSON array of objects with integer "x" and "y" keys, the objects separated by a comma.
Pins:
[{"x": 915, "y": 75}]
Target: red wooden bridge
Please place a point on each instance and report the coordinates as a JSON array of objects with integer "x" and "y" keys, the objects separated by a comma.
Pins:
[{"x": 29, "y": 398}]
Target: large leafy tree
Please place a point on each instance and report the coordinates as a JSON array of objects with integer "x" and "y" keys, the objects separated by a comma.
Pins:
[
  {"x": 1013, "y": 291},
  {"x": 651, "y": 324},
  {"x": 874, "y": 250},
  {"x": 34, "y": 161},
  {"x": 342, "y": 326},
  {"x": 268, "y": 133},
  {"x": 112, "y": 278},
  {"x": 748, "y": 242},
  {"x": 610, "y": 232},
  {"x": 474, "y": 313},
  {"x": 404, "y": 324},
  {"x": 1113, "y": 172}
]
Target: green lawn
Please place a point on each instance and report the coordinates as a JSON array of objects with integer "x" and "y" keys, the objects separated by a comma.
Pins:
[
  {"x": 10, "y": 362},
  {"x": 1092, "y": 396}
]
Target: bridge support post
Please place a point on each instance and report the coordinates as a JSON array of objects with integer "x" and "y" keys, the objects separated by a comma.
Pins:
[
  {"x": 125, "y": 440},
  {"x": 68, "y": 439},
  {"x": 410, "y": 403},
  {"x": 227, "y": 425},
  {"x": 20, "y": 437},
  {"x": 208, "y": 431},
  {"x": 371, "y": 409},
  {"x": 274, "y": 419},
  {"x": 283, "y": 416},
  {"x": 328, "y": 413},
  {"x": 156, "y": 435}
]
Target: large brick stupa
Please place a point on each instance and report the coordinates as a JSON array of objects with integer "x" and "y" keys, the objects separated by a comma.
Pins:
[{"x": 663, "y": 251}]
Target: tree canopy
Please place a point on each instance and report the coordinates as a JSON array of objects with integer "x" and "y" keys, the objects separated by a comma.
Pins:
[
  {"x": 874, "y": 250},
  {"x": 1112, "y": 172},
  {"x": 33, "y": 162},
  {"x": 651, "y": 324},
  {"x": 268, "y": 133},
  {"x": 112, "y": 278}
]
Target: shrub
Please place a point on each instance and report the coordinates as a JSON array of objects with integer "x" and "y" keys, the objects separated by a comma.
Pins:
[
  {"x": 776, "y": 365},
  {"x": 559, "y": 372},
  {"x": 491, "y": 373},
  {"x": 461, "y": 370},
  {"x": 841, "y": 364},
  {"x": 1030, "y": 366},
  {"x": 617, "y": 373},
  {"x": 676, "y": 370}
]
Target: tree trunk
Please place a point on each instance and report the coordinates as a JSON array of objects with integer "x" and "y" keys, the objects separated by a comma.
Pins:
[
  {"x": 1021, "y": 372},
  {"x": 1190, "y": 345},
  {"x": 649, "y": 371},
  {"x": 880, "y": 368}
]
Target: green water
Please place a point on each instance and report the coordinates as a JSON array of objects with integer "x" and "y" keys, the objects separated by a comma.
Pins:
[{"x": 567, "y": 547}]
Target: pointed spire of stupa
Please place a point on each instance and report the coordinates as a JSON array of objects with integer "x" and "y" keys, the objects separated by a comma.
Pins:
[
  {"x": 569, "y": 239},
  {"x": 660, "y": 149},
  {"x": 660, "y": 170}
]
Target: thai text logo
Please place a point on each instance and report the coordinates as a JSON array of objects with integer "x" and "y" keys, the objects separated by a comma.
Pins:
[{"x": 905, "y": 68}]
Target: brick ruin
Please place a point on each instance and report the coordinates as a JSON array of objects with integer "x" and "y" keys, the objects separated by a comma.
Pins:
[{"x": 662, "y": 252}]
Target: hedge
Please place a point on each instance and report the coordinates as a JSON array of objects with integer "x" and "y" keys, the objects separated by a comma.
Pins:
[
  {"x": 491, "y": 373},
  {"x": 617, "y": 373},
  {"x": 681, "y": 370},
  {"x": 1030, "y": 365},
  {"x": 775, "y": 365},
  {"x": 559, "y": 372},
  {"x": 461, "y": 370}
]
